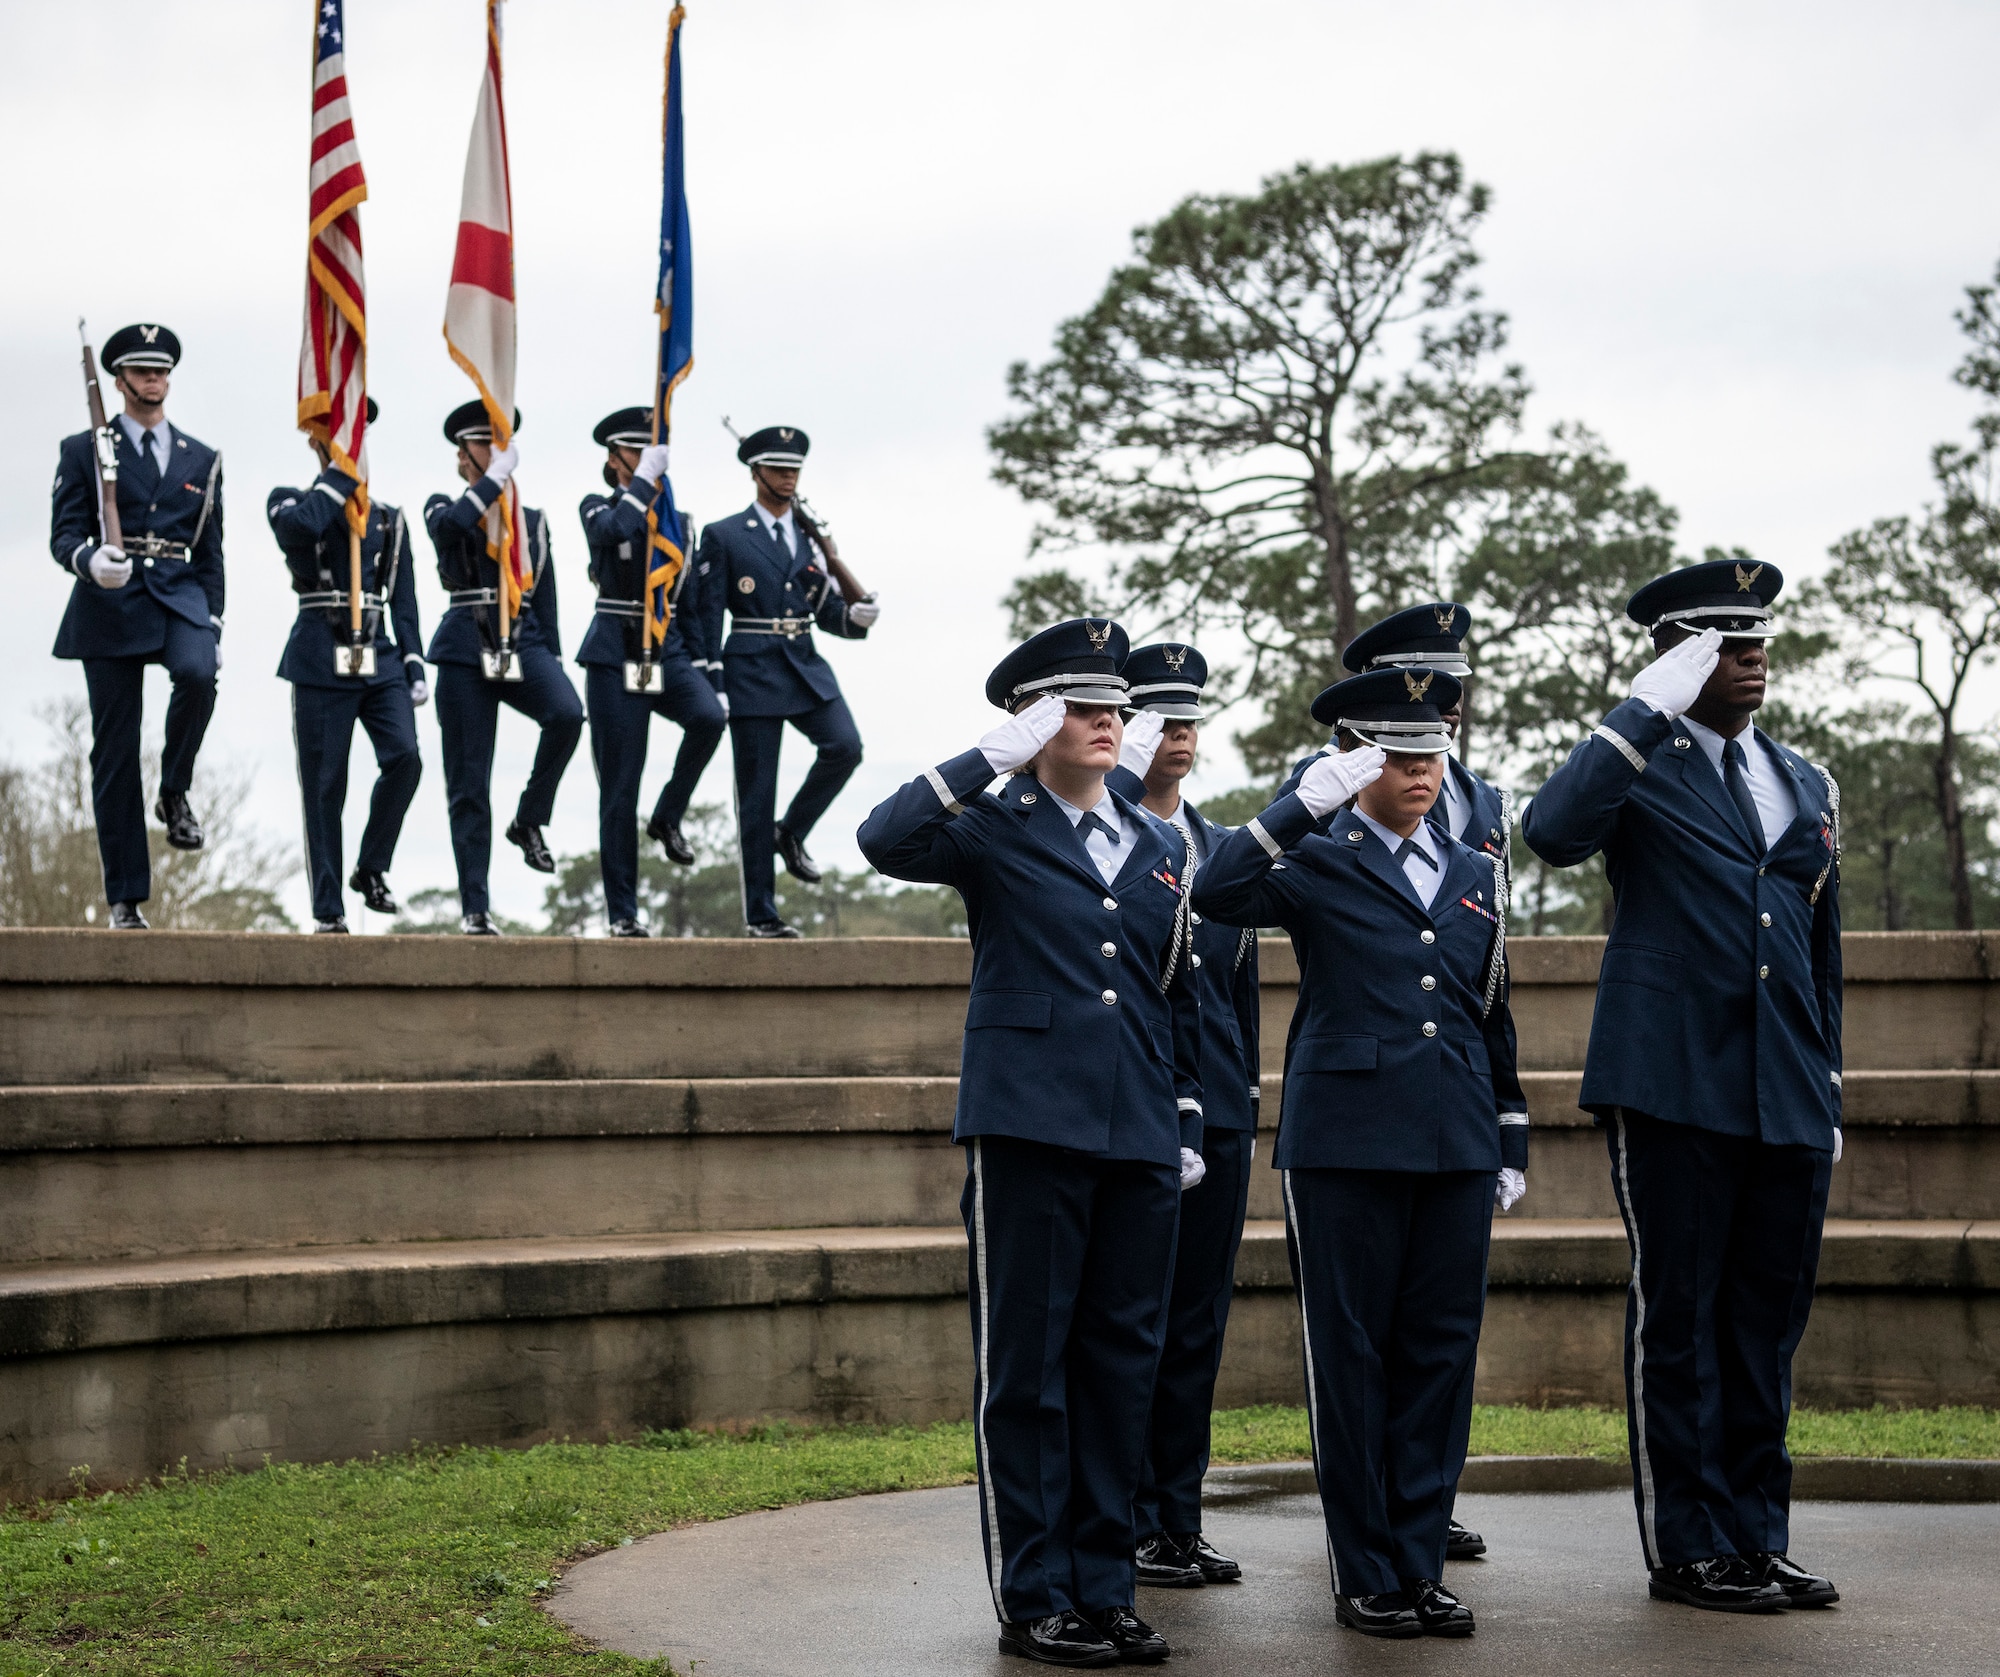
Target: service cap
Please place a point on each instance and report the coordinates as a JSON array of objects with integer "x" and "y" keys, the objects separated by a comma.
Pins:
[
  {"x": 468, "y": 423},
  {"x": 627, "y": 428},
  {"x": 1166, "y": 677},
  {"x": 142, "y": 346},
  {"x": 1398, "y": 709},
  {"x": 775, "y": 445},
  {"x": 1077, "y": 661},
  {"x": 1732, "y": 595},
  {"x": 1429, "y": 636}
]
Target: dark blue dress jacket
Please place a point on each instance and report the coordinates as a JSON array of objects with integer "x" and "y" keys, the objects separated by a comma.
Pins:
[
  {"x": 1225, "y": 978},
  {"x": 311, "y": 527},
  {"x": 1718, "y": 1004},
  {"x": 1069, "y": 1039},
  {"x": 182, "y": 505},
  {"x": 458, "y": 532},
  {"x": 1367, "y": 1085},
  {"x": 614, "y": 530},
  {"x": 745, "y": 572}
]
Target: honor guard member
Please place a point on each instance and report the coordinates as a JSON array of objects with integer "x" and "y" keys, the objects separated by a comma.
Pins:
[
  {"x": 1714, "y": 1067},
  {"x": 472, "y": 683},
  {"x": 1166, "y": 683},
  {"x": 765, "y": 569},
  {"x": 1079, "y": 1108},
  {"x": 332, "y": 689},
  {"x": 627, "y": 690},
  {"x": 1403, "y": 1124},
  {"x": 156, "y": 600},
  {"x": 1432, "y": 636}
]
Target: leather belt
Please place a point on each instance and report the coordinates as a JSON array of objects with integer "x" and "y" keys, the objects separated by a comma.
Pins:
[
  {"x": 157, "y": 547},
  {"x": 338, "y": 597},
  {"x": 620, "y": 608},
  {"x": 790, "y": 627},
  {"x": 474, "y": 597}
]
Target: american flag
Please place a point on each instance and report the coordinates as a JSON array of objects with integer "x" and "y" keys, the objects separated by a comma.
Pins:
[{"x": 333, "y": 353}]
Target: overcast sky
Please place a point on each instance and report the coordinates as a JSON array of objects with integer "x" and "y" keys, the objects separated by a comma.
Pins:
[{"x": 1730, "y": 238}]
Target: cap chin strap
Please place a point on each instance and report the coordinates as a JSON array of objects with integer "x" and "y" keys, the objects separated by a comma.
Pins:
[
  {"x": 1050, "y": 683},
  {"x": 1421, "y": 739},
  {"x": 783, "y": 461},
  {"x": 1452, "y": 663},
  {"x": 1760, "y": 625}
]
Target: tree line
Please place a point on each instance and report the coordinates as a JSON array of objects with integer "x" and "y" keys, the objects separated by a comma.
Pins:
[{"x": 1291, "y": 412}]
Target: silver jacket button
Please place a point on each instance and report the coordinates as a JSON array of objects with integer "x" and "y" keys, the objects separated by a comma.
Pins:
[
  {"x": 1430, "y": 1028},
  {"x": 1195, "y": 959},
  {"x": 1428, "y": 982},
  {"x": 1763, "y": 972},
  {"x": 1427, "y": 937},
  {"x": 1110, "y": 902},
  {"x": 1196, "y": 918},
  {"x": 1107, "y": 950},
  {"x": 1109, "y": 998},
  {"x": 1763, "y": 919}
]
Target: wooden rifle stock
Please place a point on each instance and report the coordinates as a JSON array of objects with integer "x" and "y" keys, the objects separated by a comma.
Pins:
[
  {"x": 850, "y": 586},
  {"x": 106, "y": 447}
]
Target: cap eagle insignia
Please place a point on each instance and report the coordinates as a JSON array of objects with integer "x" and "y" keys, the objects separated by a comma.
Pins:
[
  {"x": 1744, "y": 579},
  {"x": 1099, "y": 637},
  {"x": 1175, "y": 657},
  {"x": 788, "y": 433},
  {"x": 150, "y": 333},
  {"x": 1418, "y": 688},
  {"x": 1444, "y": 616}
]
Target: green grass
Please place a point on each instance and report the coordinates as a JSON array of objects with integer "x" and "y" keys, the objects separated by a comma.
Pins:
[{"x": 431, "y": 1564}]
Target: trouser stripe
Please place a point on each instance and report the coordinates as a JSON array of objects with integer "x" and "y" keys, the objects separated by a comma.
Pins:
[
  {"x": 987, "y": 1494},
  {"x": 1642, "y": 1452}
]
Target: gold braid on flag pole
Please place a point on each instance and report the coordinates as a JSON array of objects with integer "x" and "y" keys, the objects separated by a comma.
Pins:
[{"x": 665, "y": 558}]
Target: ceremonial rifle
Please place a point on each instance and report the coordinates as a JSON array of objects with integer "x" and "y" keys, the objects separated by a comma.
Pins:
[
  {"x": 815, "y": 530},
  {"x": 106, "y": 445}
]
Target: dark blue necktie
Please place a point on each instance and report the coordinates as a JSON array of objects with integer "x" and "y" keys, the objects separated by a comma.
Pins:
[
  {"x": 149, "y": 465},
  {"x": 1093, "y": 822},
  {"x": 1412, "y": 848},
  {"x": 1733, "y": 777}
]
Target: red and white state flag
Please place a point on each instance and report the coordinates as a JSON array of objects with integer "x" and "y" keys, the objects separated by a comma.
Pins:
[{"x": 479, "y": 308}]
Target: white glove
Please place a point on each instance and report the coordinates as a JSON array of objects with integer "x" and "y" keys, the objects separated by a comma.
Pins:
[
  {"x": 723, "y": 700},
  {"x": 1022, "y": 735},
  {"x": 1836, "y": 1143},
  {"x": 1509, "y": 1189},
  {"x": 652, "y": 462},
  {"x": 501, "y": 467},
  {"x": 1192, "y": 1169},
  {"x": 218, "y": 655},
  {"x": 420, "y": 692},
  {"x": 1335, "y": 776},
  {"x": 1674, "y": 680},
  {"x": 863, "y": 613},
  {"x": 1142, "y": 741},
  {"x": 109, "y": 568}
]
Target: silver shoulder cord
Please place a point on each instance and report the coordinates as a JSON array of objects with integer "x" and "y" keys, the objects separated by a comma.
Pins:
[
  {"x": 1833, "y": 809},
  {"x": 207, "y": 502},
  {"x": 1181, "y": 912},
  {"x": 1496, "y": 963}
]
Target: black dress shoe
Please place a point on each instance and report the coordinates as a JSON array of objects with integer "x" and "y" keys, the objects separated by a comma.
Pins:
[
  {"x": 1388, "y": 1615},
  {"x": 1802, "y": 1588},
  {"x": 1161, "y": 1563},
  {"x": 1439, "y": 1611},
  {"x": 1136, "y": 1641},
  {"x": 1062, "y": 1639},
  {"x": 669, "y": 834},
  {"x": 1722, "y": 1584},
  {"x": 478, "y": 925},
  {"x": 533, "y": 850},
  {"x": 772, "y": 928},
  {"x": 1216, "y": 1567},
  {"x": 374, "y": 889},
  {"x": 792, "y": 852},
  {"x": 183, "y": 830},
  {"x": 1460, "y": 1544},
  {"x": 125, "y": 917},
  {"x": 628, "y": 928},
  {"x": 337, "y": 925}
]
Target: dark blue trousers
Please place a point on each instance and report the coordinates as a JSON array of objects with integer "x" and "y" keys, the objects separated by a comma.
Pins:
[
  {"x": 323, "y": 721},
  {"x": 1071, "y": 1261},
  {"x": 117, "y": 688},
  {"x": 619, "y": 724},
  {"x": 1391, "y": 1272},
  {"x": 1725, "y": 1235},
  {"x": 755, "y": 741},
  {"x": 1197, "y": 1313},
  {"x": 468, "y": 718}
]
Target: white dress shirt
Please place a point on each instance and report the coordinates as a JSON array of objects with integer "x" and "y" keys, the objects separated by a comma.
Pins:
[
  {"x": 158, "y": 437},
  {"x": 1770, "y": 787},
  {"x": 788, "y": 532},
  {"x": 1424, "y": 877},
  {"x": 1108, "y": 854}
]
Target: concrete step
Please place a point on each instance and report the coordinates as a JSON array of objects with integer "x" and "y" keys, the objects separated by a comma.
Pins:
[
  {"x": 147, "y": 1170},
  {"x": 336, "y": 1352},
  {"x": 187, "y": 1007}
]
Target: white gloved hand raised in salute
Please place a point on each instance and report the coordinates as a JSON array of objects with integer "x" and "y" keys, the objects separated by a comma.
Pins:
[
  {"x": 504, "y": 463},
  {"x": 1509, "y": 1188},
  {"x": 1674, "y": 680},
  {"x": 1335, "y": 776},
  {"x": 1021, "y": 737},
  {"x": 1142, "y": 741},
  {"x": 652, "y": 463},
  {"x": 109, "y": 568},
  {"x": 1193, "y": 1169}
]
